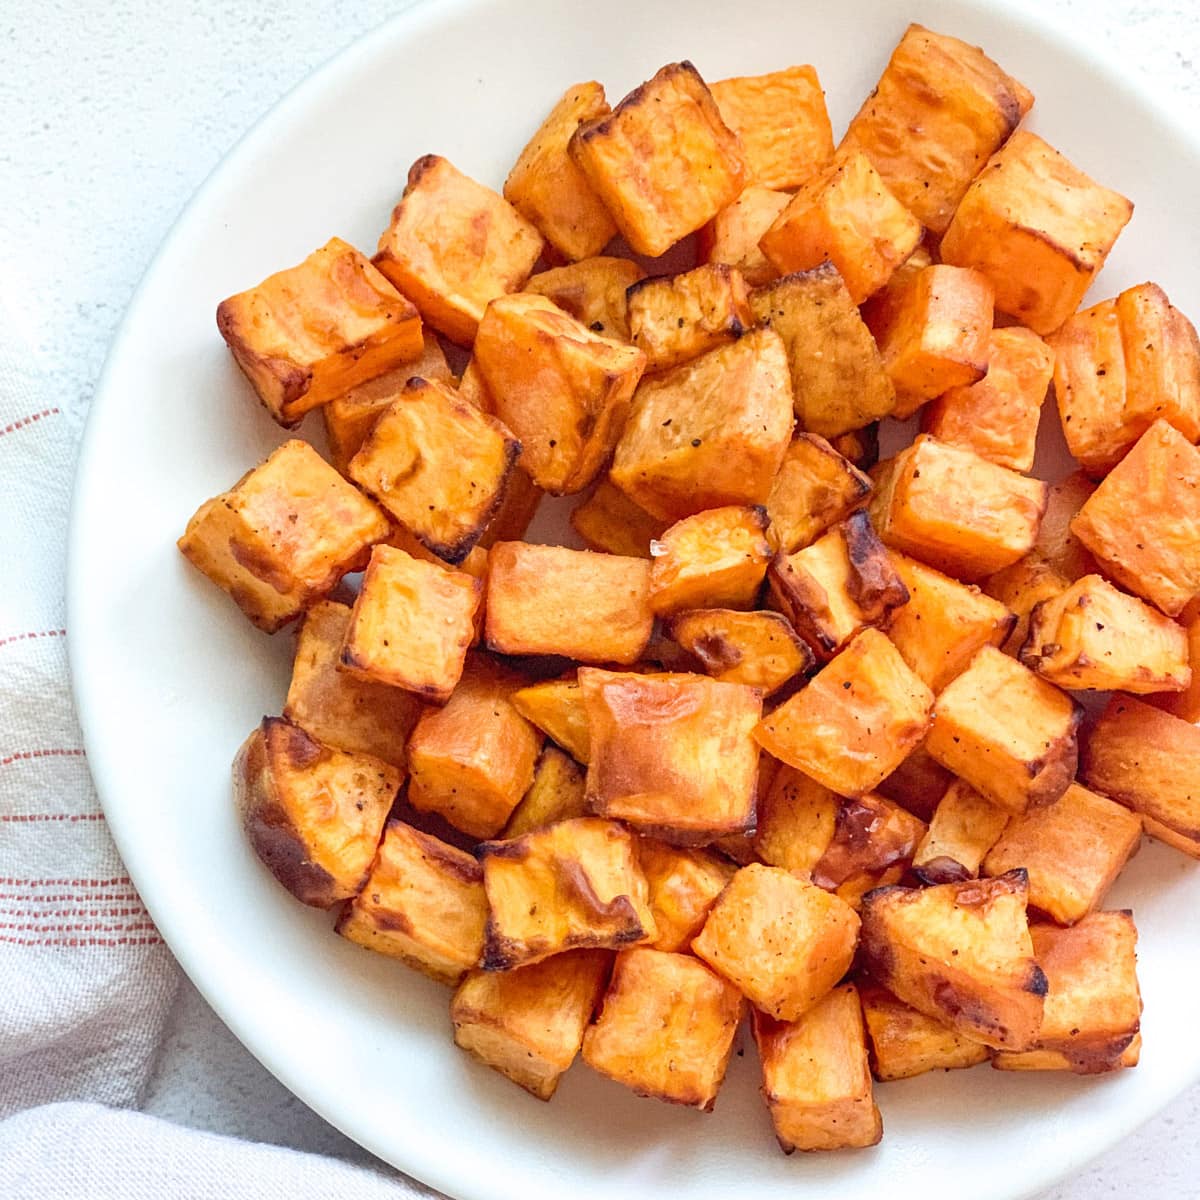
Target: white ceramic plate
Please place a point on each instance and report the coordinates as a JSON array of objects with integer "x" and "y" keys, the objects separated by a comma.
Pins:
[{"x": 169, "y": 677}]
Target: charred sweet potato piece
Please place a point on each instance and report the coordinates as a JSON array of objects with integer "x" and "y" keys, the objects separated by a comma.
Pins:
[
  {"x": 423, "y": 904},
  {"x": 797, "y": 819},
  {"x": 549, "y": 190},
  {"x": 1009, "y": 734},
  {"x": 666, "y": 1027},
  {"x": 964, "y": 107},
  {"x": 960, "y": 953},
  {"x": 815, "y": 1077},
  {"x": 573, "y": 885},
  {"x": 682, "y": 887},
  {"x": 918, "y": 783},
  {"x": 759, "y": 649},
  {"x": 873, "y": 839},
  {"x": 963, "y": 828},
  {"x": 593, "y": 291},
  {"x": 609, "y": 521},
  {"x": 815, "y": 488},
  {"x": 708, "y": 433},
  {"x": 663, "y": 162},
  {"x": 312, "y": 332},
  {"x": 853, "y": 724},
  {"x": 453, "y": 245},
  {"x": 558, "y": 793},
  {"x": 1038, "y": 228},
  {"x": 859, "y": 447},
  {"x": 283, "y": 536},
  {"x": 732, "y": 235},
  {"x": 672, "y": 754},
  {"x": 556, "y": 707},
  {"x": 905, "y": 1043},
  {"x": 313, "y": 815}
]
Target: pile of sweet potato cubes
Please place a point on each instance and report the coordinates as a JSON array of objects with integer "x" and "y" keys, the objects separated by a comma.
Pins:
[{"x": 791, "y": 739}]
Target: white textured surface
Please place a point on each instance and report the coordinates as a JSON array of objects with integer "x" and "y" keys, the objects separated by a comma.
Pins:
[{"x": 110, "y": 116}]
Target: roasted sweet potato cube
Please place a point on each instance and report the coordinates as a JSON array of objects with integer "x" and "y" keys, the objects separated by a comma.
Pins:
[
  {"x": 666, "y": 1027},
  {"x": 516, "y": 512},
  {"x": 312, "y": 332},
  {"x": 672, "y": 754},
  {"x": 732, "y": 236},
  {"x": 609, "y": 521},
  {"x": 963, "y": 828},
  {"x": 549, "y": 190},
  {"x": 759, "y": 649},
  {"x": 815, "y": 488},
  {"x": 314, "y": 815},
  {"x": 411, "y": 624},
  {"x": 918, "y": 783},
  {"x": 1012, "y": 736},
  {"x": 833, "y": 589},
  {"x": 453, "y": 245},
  {"x": 855, "y": 721},
  {"x": 838, "y": 380},
  {"x": 528, "y": 1023},
  {"x": 872, "y": 836},
  {"x": 797, "y": 818},
  {"x": 815, "y": 1077},
  {"x": 593, "y": 291},
  {"x": 844, "y": 213},
  {"x": 998, "y": 416},
  {"x": 1093, "y": 637},
  {"x": 283, "y": 536},
  {"x": 1038, "y": 228},
  {"x": 713, "y": 559},
  {"x": 552, "y": 600},
  {"x": 1149, "y": 761},
  {"x": 905, "y": 1043},
  {"x": 960, "y": 953},
  {"x": 1162, "y": 359},
  {"x": 556, "y": 707},
  {"x": 473, "y": 760},
  {"x": 438, "y": 465},
  {"x": 1094, "y": 1007},
  {"x": 710, "y": 432},
  {"x": 663, "y": 161},
  {"x": 940, "y": 109},
  {"x": 674, "y": 318},
  {"x": 558, "y": 793},
  {"x": 423, "y": 904},
  {"x": 1185, "y": 704},
  {"x": 781, "y": 940},
  {"x": 954, "y": 510},
  {"x": 683, "y": 884},
  {"x": 1143, "y": 522},
  {"x": 572, "y": 885},
  {"x": 1072, "y": 851},
  {"x": 562, "y": 390},
  {"x": 944, "y": 623}
]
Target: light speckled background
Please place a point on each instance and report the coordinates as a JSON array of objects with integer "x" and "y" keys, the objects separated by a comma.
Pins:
[{"x": 110, "y": 115}]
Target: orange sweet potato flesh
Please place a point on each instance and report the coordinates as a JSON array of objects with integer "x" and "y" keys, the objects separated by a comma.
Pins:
[
  {"x": 732, "y": 235},
  {"x": 593, "y": 291}
]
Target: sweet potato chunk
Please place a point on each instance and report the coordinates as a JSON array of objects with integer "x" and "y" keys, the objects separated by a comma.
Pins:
[
  {"x": 713, "y": 559},
  {"x": 556, "y": 707},
  {"x": 411, "y": 624},
  {"x": 572, "y": 885},
  {"x": 1143, "y": 522},
  {"x": 940, "y": 108},
  {"x": 558, "y": 793},
  {"x": 732, "y": 236},
  {"x": 1093, "y": 1008},
  {"x": 682, "y": 887},
  {"x": 1149, "y": 761},
  {"x": 453, "y": 245},
  {"x": 438, "y": 465},
  {"x": 963, "y": 828},
  {"x": 663, "y": 161},
  {"x": 844, "y": 213},
  {"x": 853, "y": 724},
  {"x": 905, "y": 1043},
  {"x": 473, "y": 760},
  {"x": 872, "y": 838},
  {"x": 918, "y": 783},
  {"x": 313, "y": 815},
  {"x": 283, "y": 536},
  {"x": 1009, "y": 734},
  {"x": 1185, "y": 704},
  {"x": 1038, "y": 228},
  {"x": 954, "y": 510},
  {"x": 1093, "y": 637},
  {"x": 838, "y": 380},
  {"x": 312, "y": 332},
  {"x": 609, "y": 521},
  {"x": 815, "y": 1077},
  {"x": 782, "y": 941},
  {"x": 944, "y": 623},
  {"x": 835, "y": 588},
  {"x": 797, "y": 818},
  {"x": 666, "y": 1028},
  {"x": 759, "y": 649},
  {"x": 562, "y": 390},
  {"x": 859, "y": 447},
  {"x": 423, "y": 904},
  {"x": 516, "y": 512},
  {"x": 710, "y": 432},
  {"x": 593, "y": 291},
  {"x": 551, "y": 600},
  {"x": 528, "y": 1023},
  {"x": 672, "y": 754},
  {"x": 815, "y": 488},
  {"x": 960, "y": 953},
  {"x": 549, "y": 190}
]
